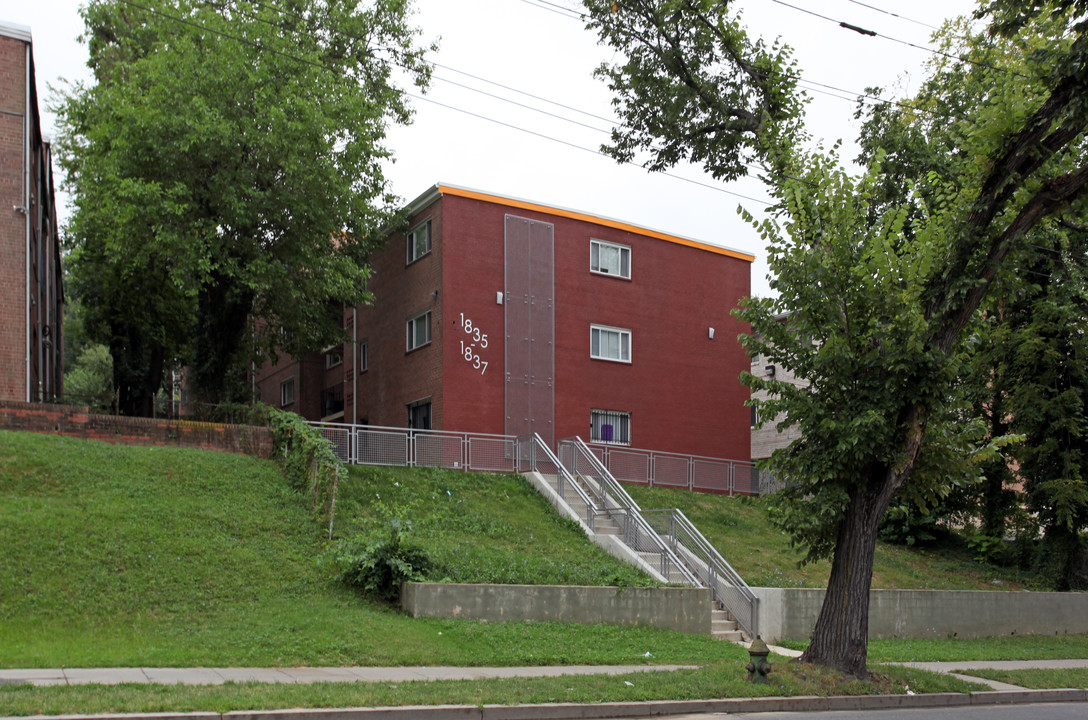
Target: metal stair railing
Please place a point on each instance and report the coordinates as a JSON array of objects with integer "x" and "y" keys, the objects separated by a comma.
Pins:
[
  {"x": 716, "y": 573},
  {"x": 533, "y": 454},
  {"x": 614, "y": 501}
]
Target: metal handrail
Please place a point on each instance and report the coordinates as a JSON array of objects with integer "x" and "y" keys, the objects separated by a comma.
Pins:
[
  {"x": 649, "y": 470},
  {"x": 565, "y": 482},
  {"x": 716, "y": 573},
  {"x": 637, "y": 533}
]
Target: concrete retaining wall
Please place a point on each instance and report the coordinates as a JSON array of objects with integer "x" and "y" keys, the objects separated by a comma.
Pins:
[
  {"x": 682, "y": 609},
  {"x": 791, "y": 613}
]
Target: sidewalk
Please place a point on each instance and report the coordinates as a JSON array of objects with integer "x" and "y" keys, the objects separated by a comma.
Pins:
[
  {"x": 962, "y": 669},
  {"x": 219, "y": 676}
]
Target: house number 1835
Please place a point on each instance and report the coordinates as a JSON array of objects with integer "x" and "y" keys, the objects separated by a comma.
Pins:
[{"x": 471, "y": 348}]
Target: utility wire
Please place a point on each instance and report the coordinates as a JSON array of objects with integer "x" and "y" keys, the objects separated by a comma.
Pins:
[
  {"x": 585, "y": 149},
  {"x": 557, "y": 9},
  {"x": 873, "y": 33},
  {"x": 895, "y": 15}
]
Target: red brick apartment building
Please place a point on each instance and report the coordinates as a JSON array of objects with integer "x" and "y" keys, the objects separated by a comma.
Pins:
[
  {"x": 31, "y": 293},
  {"x": 497, "y": 315}
]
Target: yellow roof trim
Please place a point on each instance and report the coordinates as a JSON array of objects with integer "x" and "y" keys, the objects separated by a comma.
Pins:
[{"x": 575, "y": 215}]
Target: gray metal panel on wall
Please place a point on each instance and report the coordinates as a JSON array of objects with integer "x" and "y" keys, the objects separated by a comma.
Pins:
[{"x": 529, "y": 327}]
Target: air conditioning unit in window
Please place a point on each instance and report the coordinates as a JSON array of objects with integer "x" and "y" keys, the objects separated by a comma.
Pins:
[{"x": 769, "y": 370}]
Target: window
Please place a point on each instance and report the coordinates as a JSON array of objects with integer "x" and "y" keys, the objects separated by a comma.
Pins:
[
  {"x": 364, "y": 357},
  {"x": 610, "y": 426},
  {"x": 610, "y": 259},
  {"x": 419, "y": 241},
  {"x": 287, "y": 391},
  {"x": 332, "y": 400},
  {"x": 333, "y": 358},
  {"x": 419, "y": 415},
  {"x": 607, "y": 343},
  {"x": 419, "y": 331}
]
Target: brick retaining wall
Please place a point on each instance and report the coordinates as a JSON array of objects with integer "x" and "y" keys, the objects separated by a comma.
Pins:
[{"x": 76, "y": 421}]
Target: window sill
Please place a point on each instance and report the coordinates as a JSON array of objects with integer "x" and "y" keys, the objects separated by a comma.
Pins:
[{"x": 599, "y": 273}]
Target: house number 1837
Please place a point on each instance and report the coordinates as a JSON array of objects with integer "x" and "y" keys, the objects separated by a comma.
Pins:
[{"x": 471, "y": 348}]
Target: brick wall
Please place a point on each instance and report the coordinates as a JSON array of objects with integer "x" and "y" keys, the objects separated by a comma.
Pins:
[
  {"x": 396, "y": 377},
  {"x": 13, "y": 229},
  {"x": 75, "y": 421}
]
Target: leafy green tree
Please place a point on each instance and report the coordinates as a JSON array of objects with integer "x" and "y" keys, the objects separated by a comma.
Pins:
[
  {"x": 880, "y": 292},
  {"x": 89, "y": 380},
  {"x": 1049, "y": 402},
  {"x": 225, "y": 165}
]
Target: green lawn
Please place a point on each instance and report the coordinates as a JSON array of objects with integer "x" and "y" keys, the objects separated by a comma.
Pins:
[
  {"x": 717, "y": 680},
  {"x": 117, "y": 556}
]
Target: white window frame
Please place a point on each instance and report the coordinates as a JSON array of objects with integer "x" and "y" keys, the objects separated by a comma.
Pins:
[
  {"x": 413, "y": 341},
  {"x": 287, "y": 391},
  {"x": 611, "y": 270},
  {"x": 623, "y": 337},
  {"x": 415, "y": 252},
  {"x": 333, "y": 358},
  {"x": 596, "y": 418},
  {"x": 364, "y": 356}
]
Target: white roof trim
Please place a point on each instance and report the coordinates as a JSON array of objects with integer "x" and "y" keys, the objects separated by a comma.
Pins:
[{"x": 19, "y": 32}]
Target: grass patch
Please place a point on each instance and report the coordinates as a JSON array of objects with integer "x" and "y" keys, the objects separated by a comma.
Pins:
[
  {"x": 739, "y": 528},
  {"x": 479, "y": 527},
  {"x": 1006, "y": 647},
  {"x": 716, "y": 680},
  {"x": 1038, "y": 679},
  {"x": 154, "y": 556}
]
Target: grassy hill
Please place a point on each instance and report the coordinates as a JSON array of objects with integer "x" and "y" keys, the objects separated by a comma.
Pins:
[
  {"x": 738, "y": 527},
  {"x": 160, "y": 556},
  {"x": 116, "y": 556}
]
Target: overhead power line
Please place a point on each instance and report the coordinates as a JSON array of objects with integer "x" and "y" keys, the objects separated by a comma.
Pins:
[
  {"x": 873, "y": 33},
  {"x": 895, "y": 15}
]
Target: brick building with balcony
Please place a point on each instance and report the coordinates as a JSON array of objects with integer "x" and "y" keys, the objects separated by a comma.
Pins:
[
  {"x": 31, "y": 292},
  {"x": 499, "y": 315}
]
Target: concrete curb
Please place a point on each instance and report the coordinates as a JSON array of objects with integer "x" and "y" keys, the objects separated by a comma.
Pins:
[{"x": 572, "y": 711}]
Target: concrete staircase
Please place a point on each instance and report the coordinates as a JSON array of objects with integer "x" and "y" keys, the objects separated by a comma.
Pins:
[
  {"x": 724, "y": 627},
  {"x": 607, "y": 533},
  {"x": 670, "y": 549}
]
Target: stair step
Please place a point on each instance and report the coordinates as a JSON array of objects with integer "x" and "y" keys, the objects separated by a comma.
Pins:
[{"x": 730, "y": 636}]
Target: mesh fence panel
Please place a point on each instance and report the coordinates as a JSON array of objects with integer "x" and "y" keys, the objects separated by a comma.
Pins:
[
  {"x": 340, "y": 437},
  {"x": 629, "y": 465},
  {"x": 438, "y": 451},
  {"x": 670, "y": 471},
  {"x": 745, "y": 478},
  {"x": 380, "y": 447},
  {"x": 491, "y": 454},
  {"x": 710, "y": 475}
]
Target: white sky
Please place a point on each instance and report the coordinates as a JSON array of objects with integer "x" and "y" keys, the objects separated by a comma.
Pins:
[{"x": 534, "y": 47}]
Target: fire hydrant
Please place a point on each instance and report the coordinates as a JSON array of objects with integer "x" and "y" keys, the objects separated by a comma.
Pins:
[{"x": 758, "y": 667}]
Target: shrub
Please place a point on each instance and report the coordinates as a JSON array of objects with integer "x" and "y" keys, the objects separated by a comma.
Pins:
[{"x": 377, "y": 564}]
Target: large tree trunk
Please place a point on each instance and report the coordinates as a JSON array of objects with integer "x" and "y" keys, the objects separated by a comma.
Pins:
[
  {"x": 222, "y": 321},
  {"x": 137, "y": 371},
  {"x": 840, "y": 639}
]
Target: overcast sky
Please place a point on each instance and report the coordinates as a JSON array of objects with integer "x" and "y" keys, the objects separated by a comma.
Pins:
[{"x": 537, "y": 47}]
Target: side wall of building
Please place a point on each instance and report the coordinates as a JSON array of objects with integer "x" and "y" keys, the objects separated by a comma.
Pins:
[
  {"x": 30, "y": 275},
  {"x": 681, "y": 387},
  {"x": 397, "y": 378}
]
